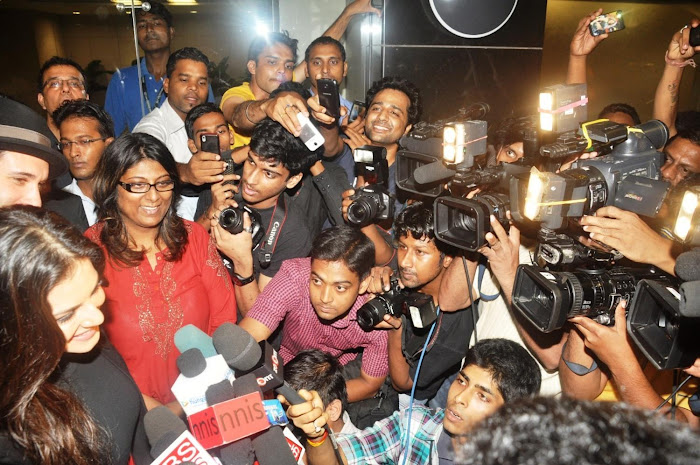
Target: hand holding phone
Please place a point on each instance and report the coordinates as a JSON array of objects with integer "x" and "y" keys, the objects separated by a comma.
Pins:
[
  {"x": 607, "y": 23},
  {"x": 694, "y": 37},
  {"x": 329, "y": 97},
  {"x": 358, "y": 109},
  {"x": 309, "y": 134}
]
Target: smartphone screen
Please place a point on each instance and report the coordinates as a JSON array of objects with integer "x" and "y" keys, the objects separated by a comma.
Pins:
[
  {"x": 328, "y": 96},
  {"x": 358, "y": 109},
  {"x": 607, "y": 23},
  {"x": 209, "y": 143}
]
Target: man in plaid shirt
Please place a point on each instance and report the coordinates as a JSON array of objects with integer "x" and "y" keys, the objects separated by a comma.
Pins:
[{"x": 495, "y": 371}]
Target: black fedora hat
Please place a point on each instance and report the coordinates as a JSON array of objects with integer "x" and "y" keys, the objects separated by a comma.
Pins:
[{"x": 23, "y": 130}]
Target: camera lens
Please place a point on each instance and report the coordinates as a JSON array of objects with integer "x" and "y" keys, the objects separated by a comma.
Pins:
[
  {"x": 362, "y": 211},
  {"x": 372, "y": 313},
  {"x": 231, "y": 219}
]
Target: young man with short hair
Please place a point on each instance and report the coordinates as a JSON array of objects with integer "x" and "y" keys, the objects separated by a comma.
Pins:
[
  {"x": 187, "y": 85},
  {"x": 496, "y": 371},
  {"x": 317, "y": 299},
  {"x": 86, "y": 130},
  {"x": 316, "y": 370},
  {"x": 59, "y": 80},
  {"x": 275, "y": 162}
]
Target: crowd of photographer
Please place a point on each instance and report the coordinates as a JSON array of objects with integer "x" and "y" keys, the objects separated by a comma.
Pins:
[{"x": 424, "y": 284}]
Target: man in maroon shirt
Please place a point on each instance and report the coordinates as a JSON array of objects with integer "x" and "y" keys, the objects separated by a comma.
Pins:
[{"x": 318, "y": 298}]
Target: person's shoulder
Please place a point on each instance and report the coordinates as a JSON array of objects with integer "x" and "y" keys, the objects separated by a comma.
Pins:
[
  {"x": 93, "y": 232},
  {"x": 297, "y": 267},
  {"x": 239, "y": 91}
]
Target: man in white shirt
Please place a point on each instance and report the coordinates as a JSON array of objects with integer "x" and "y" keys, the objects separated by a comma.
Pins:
[{"x": 187, "y": 85}]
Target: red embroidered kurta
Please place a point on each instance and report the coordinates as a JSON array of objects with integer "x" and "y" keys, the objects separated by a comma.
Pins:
[{"x": 145, "y": 307}]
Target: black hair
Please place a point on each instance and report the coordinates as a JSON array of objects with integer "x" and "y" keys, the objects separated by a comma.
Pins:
[
  {"x": 687, "y": 120},
  {"x": 197, "y": 112},
  {"x": 58, "y": 61},
  {"x": 621, "y": 108},
  {"x": 415, "y": 107},
  {"x": 157, "y": 9},
  {"x": 291, "y": 86},
  {"x": 324, "y": 40},
  {"x": 347, "y": 244},
  {"x": 512, "y": 367},
  {"x": 561, "y": 431},
  {"x": 691, "y": 133},
  {"x": 319, "y": 371},
  {"x": 271, "y": 141},
  {"x": 85, "y": 109},
  {"x": 417, "y": 221},
  {"x": 262, "y": 41},
  {"x": 509, "y": 131},
  {"x": 185, "y": 53},
  {"x": 126, "y": 151}
]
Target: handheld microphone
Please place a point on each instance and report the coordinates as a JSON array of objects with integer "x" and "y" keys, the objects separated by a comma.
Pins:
[
  {"x": 190, "y": 387},
  {"x": 170, "y": 441},
  {"x": 191, "y": 337},
  {"x": 191, "y": 363}
]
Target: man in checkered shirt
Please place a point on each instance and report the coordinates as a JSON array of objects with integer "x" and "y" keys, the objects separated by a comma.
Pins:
[
  {"x": 318, "y": 298},
  {"x": 495, "y": 371}
]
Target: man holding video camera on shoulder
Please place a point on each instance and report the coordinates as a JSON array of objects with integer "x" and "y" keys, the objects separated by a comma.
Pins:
[{"x": 409, "y": 307}]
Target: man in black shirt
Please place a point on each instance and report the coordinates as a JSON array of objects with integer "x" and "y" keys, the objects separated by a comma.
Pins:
[{"x": 275, "y": 163}]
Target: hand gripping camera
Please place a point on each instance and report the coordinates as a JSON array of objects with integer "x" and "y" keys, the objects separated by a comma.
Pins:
[
  {"x": 420, "y": 308},
  {"x": 231, "y": 219},
  {"x": 373, "y": 202}
]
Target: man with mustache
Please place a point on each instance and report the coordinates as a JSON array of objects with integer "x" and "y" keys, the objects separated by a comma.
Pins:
[
  {"x": 186, "y": 85},
  {"x": 155, "y": 31}
]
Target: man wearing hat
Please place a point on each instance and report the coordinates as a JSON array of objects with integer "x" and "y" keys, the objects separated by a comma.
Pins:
[{"x": 27, "y": 157}]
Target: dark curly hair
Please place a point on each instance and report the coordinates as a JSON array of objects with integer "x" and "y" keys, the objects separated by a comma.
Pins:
[
  {"x": 271, "y": 141},
  {"x": 415, "y": 107},
  {"x": 126, "y": 151},
  {"x": 416, "y": 220}
]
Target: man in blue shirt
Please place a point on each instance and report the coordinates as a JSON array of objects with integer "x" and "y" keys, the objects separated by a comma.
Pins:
[
  {"x": 154, "y": 29},
  {"x": 496, "y": 371}
]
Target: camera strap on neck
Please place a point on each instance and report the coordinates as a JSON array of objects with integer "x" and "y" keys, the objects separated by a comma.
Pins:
[{"x": 272, "y": 233}]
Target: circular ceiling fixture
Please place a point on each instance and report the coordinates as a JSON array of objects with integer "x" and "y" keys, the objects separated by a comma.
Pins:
[{"x": 473, "y": 19}]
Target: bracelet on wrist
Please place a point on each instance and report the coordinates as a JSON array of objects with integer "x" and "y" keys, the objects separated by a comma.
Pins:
[
  {"x": 250, "y": 102},
  {"x": 319, "y": 441}
]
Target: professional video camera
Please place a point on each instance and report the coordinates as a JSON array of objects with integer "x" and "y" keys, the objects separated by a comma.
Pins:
[
  {"x": 372, "y": 202},
  {"x": 231, "y": 219},
  {"x": 626, "y": 178},
  {"x": 549, "y": 298},
  {"x": 420, "y": 308},
  {"x": 557, "y": 250}
]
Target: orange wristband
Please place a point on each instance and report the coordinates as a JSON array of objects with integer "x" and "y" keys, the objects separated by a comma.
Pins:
[{"x": 319, "y": 441}]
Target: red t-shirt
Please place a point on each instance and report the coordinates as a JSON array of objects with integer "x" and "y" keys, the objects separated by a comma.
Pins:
[{"x": 145, "y": 307}]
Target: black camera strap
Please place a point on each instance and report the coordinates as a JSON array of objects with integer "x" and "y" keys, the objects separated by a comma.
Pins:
[{"x": 272, "y": 233}]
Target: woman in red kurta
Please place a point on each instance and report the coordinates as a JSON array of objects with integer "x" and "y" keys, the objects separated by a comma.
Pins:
[{"x": 162, "y": 272}]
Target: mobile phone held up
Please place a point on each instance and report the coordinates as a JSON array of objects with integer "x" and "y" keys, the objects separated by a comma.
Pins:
[
  {"x": 358, "y": 109},
  {"x": 328, "y": 96},
  {"x": 607, "y": 23},
  {"x": 694, "y": 39},
  {"x": 309, "y": 134},
  {"x": 209, "y": 143}
]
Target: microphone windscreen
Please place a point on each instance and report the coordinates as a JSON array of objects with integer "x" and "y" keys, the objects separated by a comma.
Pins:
[
  {"x": 690, "y": 299},
  {"x": 237, "y": 453},
  {"x": 191, "y": 337},
  {"x": 191, "y": 363},
  {"x": 219, "y": 392},
  {"x": 432, "y": 172},
  {"x": 160, "y": 421},
  {"x": 271, "y": 448},
  {"x": 688, "y": 265},
  {"x": 237, "y": 346},
  {"x": 246, "y": 384},
  {"x": 161, "y": 444}
]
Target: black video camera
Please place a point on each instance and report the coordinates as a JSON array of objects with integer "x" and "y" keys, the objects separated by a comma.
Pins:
[
  {"x": 231, "y": 219},
  {"x": 420, "y": 308},
  {"x": 372, "y": 202}
]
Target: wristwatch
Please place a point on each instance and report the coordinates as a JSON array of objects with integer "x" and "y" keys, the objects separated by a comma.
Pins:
[{"x": 239, "y": 281}]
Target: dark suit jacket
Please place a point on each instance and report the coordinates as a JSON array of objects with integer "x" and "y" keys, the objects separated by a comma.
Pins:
[{"x": 68, "y": 206}]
